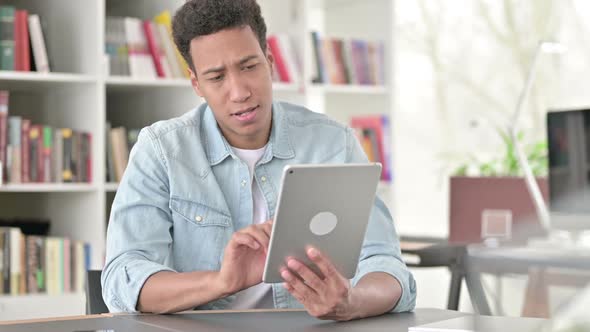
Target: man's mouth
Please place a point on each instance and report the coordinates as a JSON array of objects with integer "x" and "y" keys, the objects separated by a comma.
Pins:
[{"x": 245, "y": 112}]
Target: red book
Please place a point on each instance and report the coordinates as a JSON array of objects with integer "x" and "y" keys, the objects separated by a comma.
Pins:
[
  {"x": 22, "y": 53},
  {"x": 148, "y": 29},
  {"x": 380, "y": 125},
  {"x": 25, "y": 165},
  {"x": 273, "y": 44}
]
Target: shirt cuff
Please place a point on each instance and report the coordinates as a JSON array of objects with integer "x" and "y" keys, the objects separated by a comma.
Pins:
[{"x": 135, "y": 275}]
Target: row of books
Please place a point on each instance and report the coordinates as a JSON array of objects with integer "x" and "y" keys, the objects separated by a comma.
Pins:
[
  {"x": 287, "y": 63},
  {"x": 143, "y": 48},
  {"x": 39, "y": 264},
  {"x": 120, "y": 140},
  {"x": 39, "y": 153},
  {"x": 374, "y": 134},
  {"x": 348, "y": 61},
  {"x": 20, "y": 35}
]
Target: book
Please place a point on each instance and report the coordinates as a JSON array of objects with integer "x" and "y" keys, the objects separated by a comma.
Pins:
[
  {"x": 38, "y": 44},
  {"x": 22, "y": 53},
  {"x": 140, "y": 60},
  {"x": 25, "y": 162},
  {"x": 165, "y": 19},
  {"x": 3, "y": 131},
  {"x": 170, "y": 50},
  {"x": 7, "y": 37},
  {"x": 120, "y": 151},
  {"x": 379, "y": 124},
  {"x": 155, "y": 48},
  {"x": 14, "y": 142}
]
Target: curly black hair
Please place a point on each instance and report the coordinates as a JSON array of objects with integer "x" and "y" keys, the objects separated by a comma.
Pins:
[{"x": 204, "y": 17}]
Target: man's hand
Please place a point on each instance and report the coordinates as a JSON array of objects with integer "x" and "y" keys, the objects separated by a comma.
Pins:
[
  {"x": 244, "y": 257},
  {"x": 329, "y": 296}
]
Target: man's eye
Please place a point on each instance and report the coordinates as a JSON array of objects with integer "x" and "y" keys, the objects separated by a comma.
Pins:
[
  {"x": 250, "y": 67},
  {"x": 216, "y": 78}
]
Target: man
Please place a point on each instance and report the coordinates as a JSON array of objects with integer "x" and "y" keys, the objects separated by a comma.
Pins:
[{"x": 187, "y": 227}]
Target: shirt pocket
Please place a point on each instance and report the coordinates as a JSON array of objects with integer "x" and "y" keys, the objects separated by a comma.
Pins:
[{"x": 200, "y": 235}]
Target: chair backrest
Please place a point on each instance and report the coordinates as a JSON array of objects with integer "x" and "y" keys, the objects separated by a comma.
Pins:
[{"x": 94, "y": 301}]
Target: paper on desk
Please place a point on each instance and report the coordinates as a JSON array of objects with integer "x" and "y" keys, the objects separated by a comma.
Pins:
[
  {"x": 472, "y": 323},
  {"x": 459, "y": 324}
]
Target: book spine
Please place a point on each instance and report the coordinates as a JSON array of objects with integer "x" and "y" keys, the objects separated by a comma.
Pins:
[
  {"x": 3, "y": 132},
  {"x": 25, "y": 162},
  {"x": 46, "y": 153},
  {"x": 22, "y": 56},
  {"x": 14, "y": 140},
  {"x": 148, "y": 29},
  {"x": 38, "y": 44},
  {"x": 66, "y": 167},
  {"x": 281, "y": 65},
  {"x": 7, "y": 37},
  {"x": 57, "y": 156}
]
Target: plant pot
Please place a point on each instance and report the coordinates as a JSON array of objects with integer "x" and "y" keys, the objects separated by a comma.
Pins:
[{"x": 498, "y": 207}]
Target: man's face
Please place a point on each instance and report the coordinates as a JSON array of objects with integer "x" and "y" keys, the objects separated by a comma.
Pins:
[{"x": 233, "y": 74}]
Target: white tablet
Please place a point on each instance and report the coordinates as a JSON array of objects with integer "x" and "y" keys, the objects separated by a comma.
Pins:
[{"x": 326, "y": 206}]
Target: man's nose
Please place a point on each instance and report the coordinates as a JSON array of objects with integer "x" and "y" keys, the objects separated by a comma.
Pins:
[{"x": 239, "y": 90}]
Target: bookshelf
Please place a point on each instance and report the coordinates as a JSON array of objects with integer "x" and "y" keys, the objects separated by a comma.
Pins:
[{"x": 78, "y": 94}]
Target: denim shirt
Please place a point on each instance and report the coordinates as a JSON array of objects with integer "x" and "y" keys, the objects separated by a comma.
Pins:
[{"x": 184, "y": 193}]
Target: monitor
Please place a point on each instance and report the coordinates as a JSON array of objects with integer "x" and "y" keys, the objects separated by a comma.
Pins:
[{"x": 568, "y": 134}]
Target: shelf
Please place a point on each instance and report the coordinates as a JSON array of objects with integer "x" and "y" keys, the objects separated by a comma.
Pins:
[
  {"x": 125, "y": 83},
  {"x": 349, "y": 89},
  {"x": 27, "y": 81},
  {"x": 111, "y": 186},
  {"x": 285, "y": 87},
  {"x": 48, "y": 187}
]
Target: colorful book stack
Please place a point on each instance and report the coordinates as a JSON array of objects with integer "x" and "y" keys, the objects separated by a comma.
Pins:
[
  {"x": 40, "y": 264},
  {"x": 143, "y": 49},
  {"x": 348, "y": 61},
  {"x": 374, "y": 134},
  {"x": 286, "y": 62},
  {"x": 21, "y": 33},
  {"x": 119, "y": 143},
  {"x": 42, "y": 154}
]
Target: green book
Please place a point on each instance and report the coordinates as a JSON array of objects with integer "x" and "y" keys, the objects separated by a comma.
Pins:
[{"x": 7, "y": 37}]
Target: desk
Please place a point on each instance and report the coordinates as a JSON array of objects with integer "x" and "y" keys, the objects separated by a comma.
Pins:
[
  {"x": 523, "y": 260},
  {"x": 225, "y": 321}
]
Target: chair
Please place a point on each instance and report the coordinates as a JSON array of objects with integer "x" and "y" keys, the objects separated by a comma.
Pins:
[{"x": 94, "y": 301}]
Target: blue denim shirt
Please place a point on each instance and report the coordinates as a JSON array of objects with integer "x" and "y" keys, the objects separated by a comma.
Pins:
[{"x": 183, "y": 194}]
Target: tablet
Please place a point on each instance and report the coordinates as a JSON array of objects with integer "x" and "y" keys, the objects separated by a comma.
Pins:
[{"x": 326, "y": 206}]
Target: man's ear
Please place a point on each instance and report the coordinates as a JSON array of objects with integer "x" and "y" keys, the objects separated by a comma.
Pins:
[
  {"x": 270, "y": 59},
  {"x": 195, "y": 82}
]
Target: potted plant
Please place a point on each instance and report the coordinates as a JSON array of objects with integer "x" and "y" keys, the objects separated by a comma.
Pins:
[{"x": 490, "y": 198}]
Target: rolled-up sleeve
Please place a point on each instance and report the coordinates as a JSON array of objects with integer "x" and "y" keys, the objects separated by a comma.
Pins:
[
  {"x": 139, "y": 230},
  {"x": 381, "y": 249}
]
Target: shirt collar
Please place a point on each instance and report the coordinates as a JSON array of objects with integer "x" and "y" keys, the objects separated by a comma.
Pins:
[{"x": 217, "y": 147}]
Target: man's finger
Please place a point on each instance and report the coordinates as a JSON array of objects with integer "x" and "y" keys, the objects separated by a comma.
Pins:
[
  {"x": 257, "y": 233},
  {"x": 297, "y": 284},
  {"x": 322, "y": 262},
  {"x": 245, "y": 240},
  {"x": 307, "y": 275}
]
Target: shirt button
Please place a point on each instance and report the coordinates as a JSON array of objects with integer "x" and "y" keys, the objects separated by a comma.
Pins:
[
  {"x": 243, "y": 183},
  {"x": 199, "y": 218},
  {"x": 263, "y": 179}
]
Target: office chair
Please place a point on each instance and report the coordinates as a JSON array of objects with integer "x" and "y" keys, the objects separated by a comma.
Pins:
[{"x": 94, "y": 301}]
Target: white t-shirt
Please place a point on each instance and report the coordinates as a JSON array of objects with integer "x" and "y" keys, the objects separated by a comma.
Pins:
[{"x": 259, "y": 296}]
